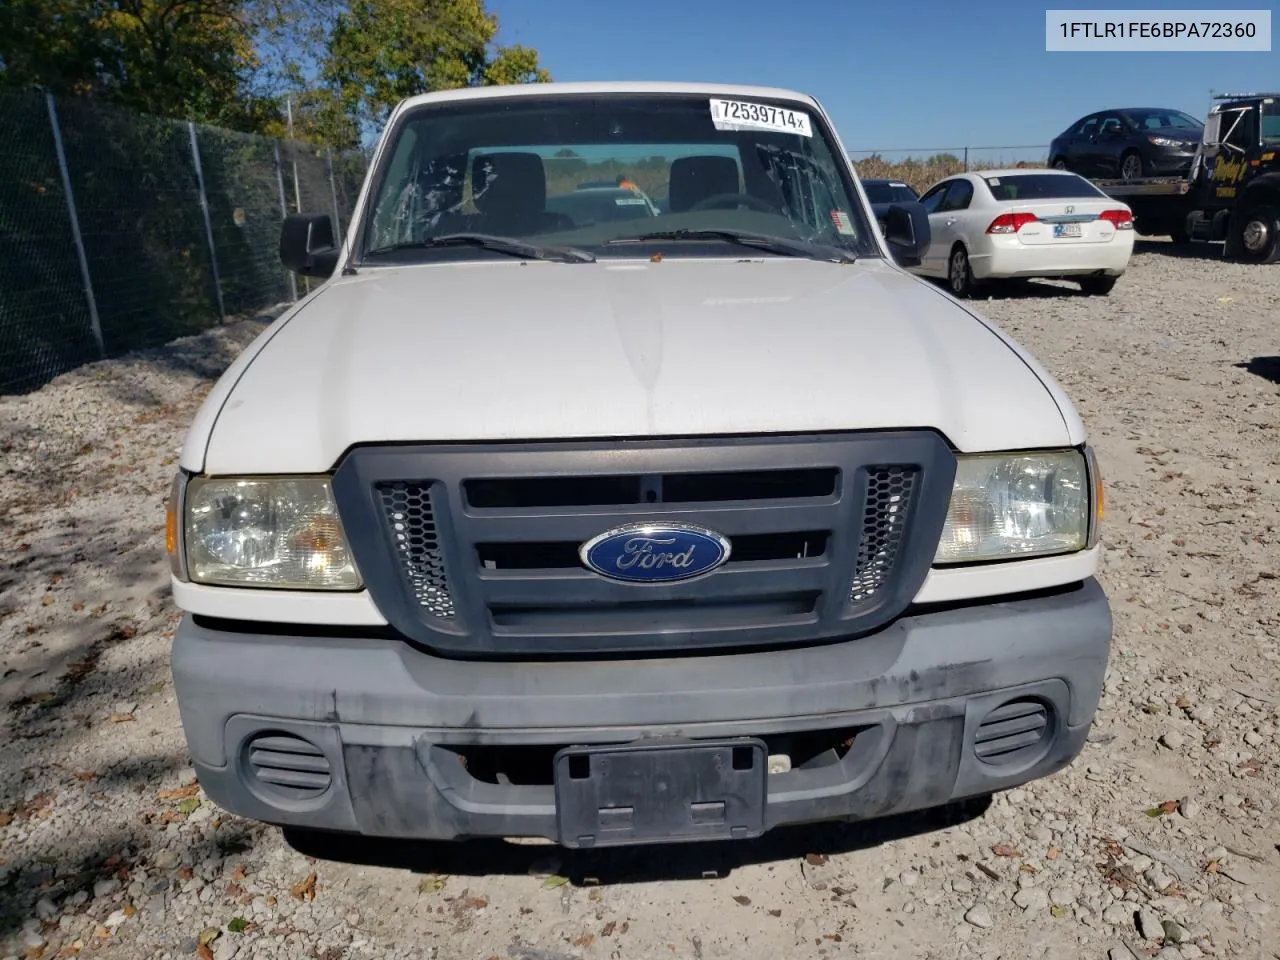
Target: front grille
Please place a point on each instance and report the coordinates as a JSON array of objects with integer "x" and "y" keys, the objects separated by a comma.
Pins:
[{"x": 473, "y": 550}]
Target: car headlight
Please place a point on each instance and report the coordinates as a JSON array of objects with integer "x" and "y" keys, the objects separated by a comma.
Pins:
[
  {"x": 280, "y": 532},
  {"x": 1020, "y": 505}
]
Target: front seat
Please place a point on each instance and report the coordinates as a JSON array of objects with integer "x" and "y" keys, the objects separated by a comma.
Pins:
[
  {"x": 694, "y": 179},
  {"x": 510, "y": 191}
]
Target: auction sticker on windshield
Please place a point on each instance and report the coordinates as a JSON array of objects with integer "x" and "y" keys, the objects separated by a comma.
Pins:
[{"x": 740, "y": 115}]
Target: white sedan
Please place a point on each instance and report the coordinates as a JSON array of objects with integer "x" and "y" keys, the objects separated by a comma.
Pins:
[{"x": 1023, "y": 223}]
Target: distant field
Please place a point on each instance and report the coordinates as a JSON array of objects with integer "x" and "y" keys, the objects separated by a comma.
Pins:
[{"x": 922, "y": 174}]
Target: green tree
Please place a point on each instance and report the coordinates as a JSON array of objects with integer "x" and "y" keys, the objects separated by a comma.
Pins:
[
  {"x": 178, "y": 58},
  {"x": 381, "y": 51},
  {"x": 233, "y": 62}
]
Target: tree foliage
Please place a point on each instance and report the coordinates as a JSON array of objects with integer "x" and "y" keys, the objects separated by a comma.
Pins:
[{"x": 341, "y": 64}]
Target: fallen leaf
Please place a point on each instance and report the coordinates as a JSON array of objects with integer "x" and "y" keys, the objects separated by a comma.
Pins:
[
  {"x": 305, "y": 889},
  {"x": 86, "y": 775},
  {"x": 431, "y": 884},
  {"x": 237, "y": 875},
  {"x": 1058, "y": 910},
  {"x": 48, "y": 599},
  {"x": 554, "y": 881},
  {"x": 1005, "y": 850},
  {"x": 234, "y": 890},
  {"x": 1052, "y": 853},
  {"x": 238, "y": 925},
  {"x": 208, "y": 935},
  {"x": 6, "y": 818},
  {"x": 122, "y": 718},
  {"x": 586, "y": 940},
  {"x": 184, "y": 873},
  {"x": 189, "y": 805},
  {"x": 742, "y": 901},
  {"x": 179, "y": 793},
  {"x": 609, "y": 927},
  {"x": 204, "y": 952},
  {"x": 775, "y": 913},
  {"x": 477, "y": 903},
  {"x": 815, "y": 859}
]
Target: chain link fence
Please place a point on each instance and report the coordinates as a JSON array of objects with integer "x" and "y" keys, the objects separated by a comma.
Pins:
[{"x": 120, "y": 231}]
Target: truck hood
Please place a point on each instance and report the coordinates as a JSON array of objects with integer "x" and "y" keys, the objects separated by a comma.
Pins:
[{"x": 524, "y": 350}]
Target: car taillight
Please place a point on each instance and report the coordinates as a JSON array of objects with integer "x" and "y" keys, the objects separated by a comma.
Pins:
[
  {"x": 1120, "y": 219},
  {"x": 1010, "y": 222}
]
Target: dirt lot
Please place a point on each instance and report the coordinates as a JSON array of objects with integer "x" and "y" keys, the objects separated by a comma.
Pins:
[{"x": 1161, "y": 840}]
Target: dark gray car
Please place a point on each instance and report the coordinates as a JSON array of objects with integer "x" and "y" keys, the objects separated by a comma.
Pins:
[{"x": 1128, "y": 143}]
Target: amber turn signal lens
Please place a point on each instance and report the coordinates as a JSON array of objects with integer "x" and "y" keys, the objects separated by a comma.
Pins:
[{"x": 171, "y": 526}]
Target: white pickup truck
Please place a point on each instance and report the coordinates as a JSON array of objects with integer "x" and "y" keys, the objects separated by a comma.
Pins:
[{"x": 621, "y": 530}]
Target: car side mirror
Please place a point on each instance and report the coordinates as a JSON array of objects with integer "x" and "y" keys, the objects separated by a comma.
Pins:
[
  {"x": 307, "y": 244},
  {"x": 906, "y": 230}
]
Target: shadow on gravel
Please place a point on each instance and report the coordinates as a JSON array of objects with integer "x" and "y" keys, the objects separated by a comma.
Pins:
[
  {"x": 1017, "y": 289},
  {"x": 649, "y": 864},
  {"x": 1266, "y": 367},
  {"x": 1197, "y": 250},
  {"x": 115, "y": 851}
]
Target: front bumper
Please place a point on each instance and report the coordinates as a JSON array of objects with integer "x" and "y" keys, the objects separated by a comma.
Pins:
[{"x": 396, "y": 742}]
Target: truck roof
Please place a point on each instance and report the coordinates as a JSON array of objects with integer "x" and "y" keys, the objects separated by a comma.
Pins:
[{"x": 615, "y": 86}]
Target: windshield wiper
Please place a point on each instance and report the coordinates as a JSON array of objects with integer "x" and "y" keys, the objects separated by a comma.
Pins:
[
  {"x": 511, "y": 245},
  {"x": 794, "y": 248}
]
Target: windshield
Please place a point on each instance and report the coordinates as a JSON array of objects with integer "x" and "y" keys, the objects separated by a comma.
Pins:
[
  {"x": 589, "y": 171},
  {"x": 1042, "y": 186},
  {"x": 1165, "y": 121},
  {"x": 1270, "y": 121},
  {"x": 884, "y": 192}
]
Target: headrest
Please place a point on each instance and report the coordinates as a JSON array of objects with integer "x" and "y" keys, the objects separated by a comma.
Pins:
[
  {"x": 696, "y": 178},
  {"x": 508, "y": 183}
]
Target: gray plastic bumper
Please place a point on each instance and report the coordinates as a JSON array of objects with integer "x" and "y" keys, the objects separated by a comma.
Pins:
[{"x": 365, "y": 734}]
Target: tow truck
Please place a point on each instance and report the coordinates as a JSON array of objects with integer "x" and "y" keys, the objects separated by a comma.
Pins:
[{"x": 1230, "y": 193}]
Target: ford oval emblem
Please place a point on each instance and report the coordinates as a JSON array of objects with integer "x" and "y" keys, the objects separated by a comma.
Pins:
[{"x": 655, "y": 552}]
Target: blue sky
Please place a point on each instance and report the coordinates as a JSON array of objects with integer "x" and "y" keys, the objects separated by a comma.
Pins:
[{"x": 922, "y": 74}]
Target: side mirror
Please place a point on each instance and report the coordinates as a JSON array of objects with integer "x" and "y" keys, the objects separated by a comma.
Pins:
[
  {"x": 906, "y": 230},
  {"x": 307, "y": 244}
]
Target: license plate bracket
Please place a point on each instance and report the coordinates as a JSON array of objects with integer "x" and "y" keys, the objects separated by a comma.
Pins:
[{"x": 661, "y": 792}]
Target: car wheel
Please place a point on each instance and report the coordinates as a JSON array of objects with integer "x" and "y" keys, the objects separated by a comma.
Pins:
[
  {"x": 1131, "y": 166},
  {"x": 1097, "y": 286},
  {"x": 959, "y": 274},
  {"x": 1059, "y": 164},
  {"x": 1258, "y": 234}
]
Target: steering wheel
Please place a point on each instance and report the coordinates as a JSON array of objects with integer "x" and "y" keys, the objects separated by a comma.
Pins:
[{"x": 722, "y": 201}]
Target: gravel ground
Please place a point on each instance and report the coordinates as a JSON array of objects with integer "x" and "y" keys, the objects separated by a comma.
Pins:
[{"x": 1161, "y": 840}]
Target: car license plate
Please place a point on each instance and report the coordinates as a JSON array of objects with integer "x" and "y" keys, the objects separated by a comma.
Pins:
[
  {"x": 1066, "y": 229},
  {"x": 659, "y": 792}
]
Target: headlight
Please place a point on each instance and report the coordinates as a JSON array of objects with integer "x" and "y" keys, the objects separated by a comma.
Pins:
[
  {"x": 1017, "y": 505},
  {"x": 281, "y": 533}
]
